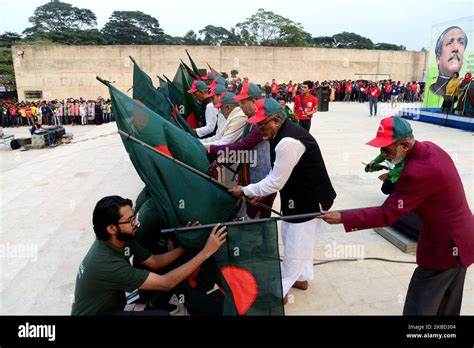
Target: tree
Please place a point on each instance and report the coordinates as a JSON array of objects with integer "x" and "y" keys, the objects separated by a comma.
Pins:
[
  {"x": 352, "y": 40},
  {"x": 219, "y": 36},
  {"x": 57, "y": 16},
  {"x": 387, "y": 46},
  {"x": 133, "y": 28},
  {"x": 7, "y": 72},
  {"x": 269, "y": 29},
  {"x": 191, "y": 38},
  {"x": 8, "y": 38},
  {"x": 324, "y": 41}
]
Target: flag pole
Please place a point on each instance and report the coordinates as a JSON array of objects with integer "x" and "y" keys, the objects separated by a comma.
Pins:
[
  {"x": 275, "y": 218},
  {"x": 194, "y": 170}
]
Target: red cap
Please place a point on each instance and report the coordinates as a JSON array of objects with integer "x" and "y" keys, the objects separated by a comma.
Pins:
[
  {"x": 390, "y": 130},
  {"x": 198, "y": 86}
]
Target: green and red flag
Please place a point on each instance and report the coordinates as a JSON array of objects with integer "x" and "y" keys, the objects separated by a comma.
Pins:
[
  {"x": 214, "y": 70},
  {"x": 194, "y": 66},
  {"x": 191, "y": 109},
  {"x": 164, "y": 87},
  {"x": 242, "y": 278},
  {"x": 146, "y": 93},
  {"x": 183, "y": 194},
  {"x": 191, "y": 74}
]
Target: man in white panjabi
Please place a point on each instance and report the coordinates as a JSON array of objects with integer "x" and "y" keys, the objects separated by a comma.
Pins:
[
  {"x": 300, "y": 175},
  {"x": 228, "y": 132}
]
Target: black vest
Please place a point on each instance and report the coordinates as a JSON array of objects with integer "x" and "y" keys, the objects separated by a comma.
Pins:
[
  {"x": 204, "y": 104},
  {"x": 309, "y": 184}
]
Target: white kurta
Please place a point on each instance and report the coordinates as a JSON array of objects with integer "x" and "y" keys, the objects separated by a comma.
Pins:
[
  {"x": 298, "y": 238},
  {"x": 211, "y": 120}
]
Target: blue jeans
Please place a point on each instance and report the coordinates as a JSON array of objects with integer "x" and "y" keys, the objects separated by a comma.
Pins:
[
  {"x": 306, "y": 124},
  {"x": 373, "y": 105}
]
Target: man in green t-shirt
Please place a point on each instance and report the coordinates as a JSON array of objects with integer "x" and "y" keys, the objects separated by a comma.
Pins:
[{"x": 106, "y": 280}]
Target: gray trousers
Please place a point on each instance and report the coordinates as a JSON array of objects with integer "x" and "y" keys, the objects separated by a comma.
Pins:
[{"x": 435, "y": 292}]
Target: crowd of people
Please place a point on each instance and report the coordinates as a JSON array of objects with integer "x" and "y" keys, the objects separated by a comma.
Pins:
[
  {"x": 56, "y": 112},
  {"x": 342, "y": 90}
]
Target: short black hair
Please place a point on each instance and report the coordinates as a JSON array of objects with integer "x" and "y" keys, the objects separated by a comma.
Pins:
[
  {"x": 106, "y": 212},
  {"x": 281, "y": 98},
  {"x": 308, "y": 83}
]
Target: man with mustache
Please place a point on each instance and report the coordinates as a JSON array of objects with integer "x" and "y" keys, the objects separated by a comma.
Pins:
[
  {"x": 449, "y": 52},
  {"x": 106, "y": 279},
  {"x": 300, "y": 175},
  {"x": 429, "y": 185}
]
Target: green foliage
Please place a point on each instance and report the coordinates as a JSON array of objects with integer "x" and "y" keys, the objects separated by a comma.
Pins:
[
  {"x": 352, "y": 40},
  {"x": 9, "y": 38},
  {"x": 133, "y": 28},
  {"x": 270, "y": 29},
  {"x": 191, "y": 38},
  {"x": 57, "y": 16},
  {"x": 387, "y": 46},
  {"x": 219, "y": 36},
  {"x": 324, "y": 41},
  {"x": 7, "y": 73}
]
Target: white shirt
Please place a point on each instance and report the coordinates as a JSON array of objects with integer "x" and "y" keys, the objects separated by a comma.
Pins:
[
  {"x": 230, "y": 131},
  {"x": 221, "y": 121},
  {"x": 211, "y": 120},
  {"x": 287, "y": 155}
]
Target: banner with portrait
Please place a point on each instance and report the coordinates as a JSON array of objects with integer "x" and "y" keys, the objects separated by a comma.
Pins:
[{"x": 451, "y": 52}]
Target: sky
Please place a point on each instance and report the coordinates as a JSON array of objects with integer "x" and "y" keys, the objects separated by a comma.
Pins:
[{"x": 401, "y": 22}]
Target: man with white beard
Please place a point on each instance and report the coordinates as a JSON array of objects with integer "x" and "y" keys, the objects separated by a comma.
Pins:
[
  {"x": 299, "y": 174},
  {"x": 429, "y": 185}
]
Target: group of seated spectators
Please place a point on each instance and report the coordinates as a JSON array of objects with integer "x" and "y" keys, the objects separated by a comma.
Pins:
[{"x": 55, "y": 112}]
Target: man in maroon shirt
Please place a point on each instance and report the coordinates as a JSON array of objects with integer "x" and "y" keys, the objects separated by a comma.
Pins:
[
  {"x": 429, "y": 186},
  {"x": 305, "y": 105}
]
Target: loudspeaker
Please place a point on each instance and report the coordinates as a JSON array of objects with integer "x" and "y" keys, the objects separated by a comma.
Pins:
[
  {"x": 322, "y": 93},
  {"x": 14, "y": 144}
]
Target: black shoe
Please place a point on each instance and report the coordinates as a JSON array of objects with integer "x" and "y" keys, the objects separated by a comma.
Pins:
[{"x": 170, "y": 308}]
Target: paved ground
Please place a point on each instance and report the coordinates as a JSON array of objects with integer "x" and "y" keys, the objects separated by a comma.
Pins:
[{"x": 47, "y": 197}]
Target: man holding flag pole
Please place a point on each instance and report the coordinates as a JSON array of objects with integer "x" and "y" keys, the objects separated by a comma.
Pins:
[{"x": 300, "y": 175}]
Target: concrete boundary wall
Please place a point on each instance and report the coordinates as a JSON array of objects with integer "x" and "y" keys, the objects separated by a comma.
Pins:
[{"x": 69, "y": 71}]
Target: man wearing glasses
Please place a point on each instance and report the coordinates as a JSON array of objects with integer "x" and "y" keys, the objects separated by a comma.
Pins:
[
  {"x": 106, "y": 280},
  {"x": 299, "y": 174},
  {"x": 429, "y": 185}
]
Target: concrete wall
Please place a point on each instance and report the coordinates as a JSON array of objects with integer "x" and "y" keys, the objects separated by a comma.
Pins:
[{"x": 70, "y": 71}]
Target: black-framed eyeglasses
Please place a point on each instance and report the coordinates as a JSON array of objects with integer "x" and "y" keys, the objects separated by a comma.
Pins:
[
  {"x": 131, "y": 221},
  {"x": 260, "y": 126}
]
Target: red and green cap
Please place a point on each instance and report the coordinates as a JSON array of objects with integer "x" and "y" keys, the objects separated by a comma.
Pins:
[
  {"x": 249, "y": 90},
  {"x": 226, "y": 98},
  {"x": 219, "y": 81},
  {"x": 210, "y": 76},
  {"x": 218, "y": 90},
  {"x": 265, "y": 107},
  {"x": 390, "y": 130},
  {"x": 198, "y": 86}
]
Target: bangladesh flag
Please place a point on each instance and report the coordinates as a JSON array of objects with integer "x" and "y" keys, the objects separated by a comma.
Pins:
[
  {"x": 194, "y": 66},
  {"x": 164, "y": 88},
  {"x": 242, "y": 278},
  {"x": 191, "y": 109},
  {"x": 214, "y": 70},
  {"x": 181, "y": 193},
  {"x": 146, "y": 93},
  {"x": 191, "y": 74}
]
